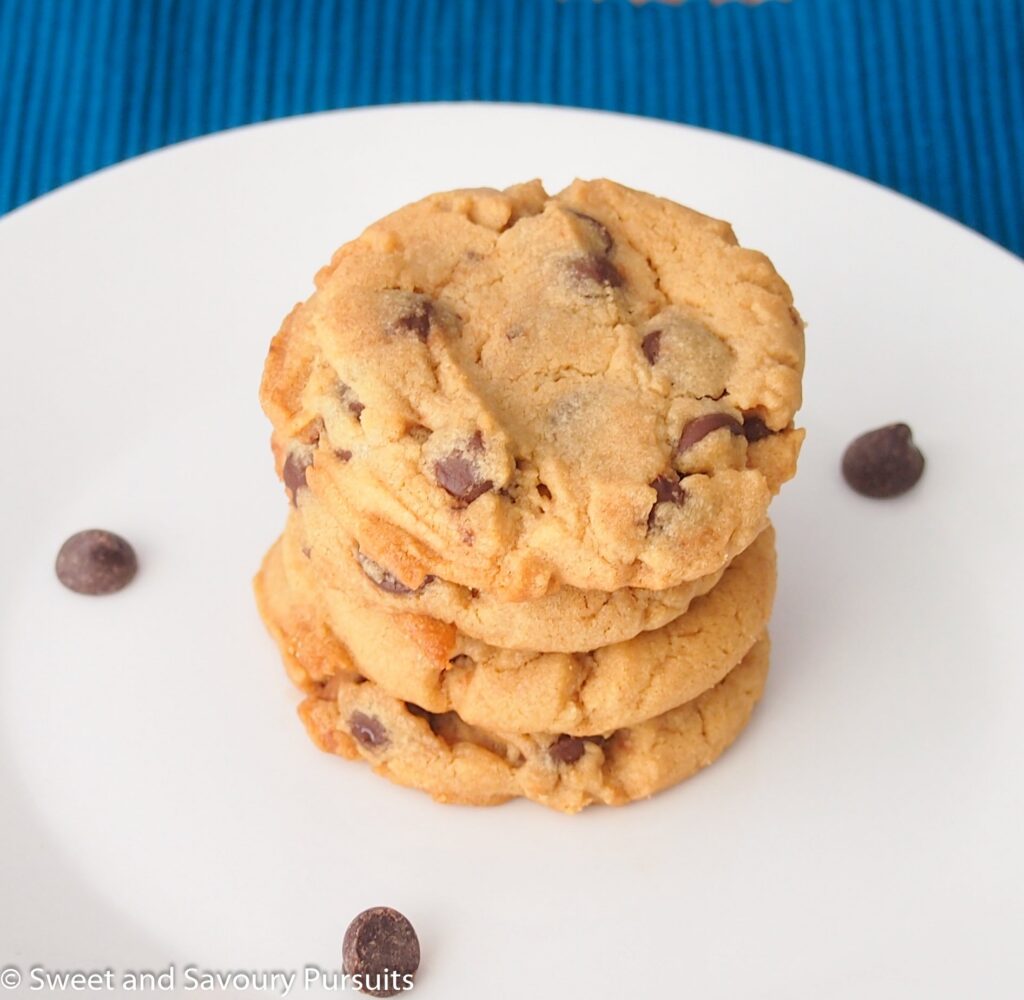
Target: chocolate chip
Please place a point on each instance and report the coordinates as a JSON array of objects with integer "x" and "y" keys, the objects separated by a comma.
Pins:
[
  {"x": 416, "y": 318},
  {"x": 458, "y": 474},
  {"x": 294, "y": 472},
  {"x": 600, "y": 228},
  {"x": 566, "y": 749},
  {"x": 544, "y": 491},
  {"x": 382, "y": 949},
  {"x": 666, "y": 490},
  {"x": 700, "y": 427},
  {"x": 754, "y": 428},
  {"x": 96, "y": 562},
  {"x": 368, "y": 731},
  {"x": 382, "y": 578},
  {"x": 651, "y": 346},
  {"x": 884, "y": 462},
  {"x": 596, "y": 269},
  {"x": 343, "y": 454},
  {"x": 349, "y": 398}
]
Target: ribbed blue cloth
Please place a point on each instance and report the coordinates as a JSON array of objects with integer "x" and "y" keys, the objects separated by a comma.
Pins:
[{"x": 925, "y": 96}]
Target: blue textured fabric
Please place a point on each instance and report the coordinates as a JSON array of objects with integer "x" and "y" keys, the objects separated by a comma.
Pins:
[{"x": 926, "y": 96}]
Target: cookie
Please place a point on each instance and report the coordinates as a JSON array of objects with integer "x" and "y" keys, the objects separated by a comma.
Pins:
[
  {"x": 565, "y": 621},
  {"x": 516, "y": 392},
  {"x": 459, "y": 763},
  {"x": 430, "y": 663}
]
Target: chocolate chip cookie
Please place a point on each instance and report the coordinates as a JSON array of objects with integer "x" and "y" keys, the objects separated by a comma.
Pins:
[
  {"x": 419, "y": 659},
  {"x": 459, "y": 763},
  {"x": 567, "y": 620},
  {"x": 516, "y": 392}
]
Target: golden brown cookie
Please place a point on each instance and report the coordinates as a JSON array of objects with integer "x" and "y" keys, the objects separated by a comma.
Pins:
[
  {"x": 567, "y": 620},
  {"x": 515, "y": 392},
  {"x": 459, "y": 763},
  {"x": 430, "y": 663}
]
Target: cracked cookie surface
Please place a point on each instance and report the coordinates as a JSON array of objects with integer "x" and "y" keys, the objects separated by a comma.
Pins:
[
  {"x": 421, "y": 660},
  {"x": 515, "y": 392}
]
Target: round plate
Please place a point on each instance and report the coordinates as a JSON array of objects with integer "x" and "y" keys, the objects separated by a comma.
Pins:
[{"x": 162, "y": 804}]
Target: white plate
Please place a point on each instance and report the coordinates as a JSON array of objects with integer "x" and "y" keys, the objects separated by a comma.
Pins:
[{"x": 161, "y": 802}]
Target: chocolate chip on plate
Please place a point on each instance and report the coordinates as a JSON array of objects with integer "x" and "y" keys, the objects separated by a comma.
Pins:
[
  {"x": 883, "y": 462},
  {"x": 96, "y": 562},
  {"x": 382, "y": 949},
  {"x": 368, "y": 731}
]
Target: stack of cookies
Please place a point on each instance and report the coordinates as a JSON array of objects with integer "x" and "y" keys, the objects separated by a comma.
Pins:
[{"x": 529, "y": 443}]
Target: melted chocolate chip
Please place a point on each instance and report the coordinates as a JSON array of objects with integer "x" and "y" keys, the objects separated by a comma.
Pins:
[
  {"x": 666, "y": 490},
  {"x": 96, "y": 562},
  {"x": 368, "y": 731},
  {"x": 349, "y": 398},
  {"x": 387, "y": 581},
  {"x": 416, "y": 319},
  {"x": 544, "y": 491},
  {"x": 566, "y": 749},
  {"x": 599, "y": 227},
  {"x": 700, "y": 427},
  {"x": 381, "y": 948},
  {"x": 294, "y": 472},
  {"x": 651, "y": 346},
  {"x": 343, "y": 454},
  {"x": 884, "y": 462},
  {"x": 754, "y": 428},
  {"x": 596, "y": 269},
  {"x": 458, "y": 474}
]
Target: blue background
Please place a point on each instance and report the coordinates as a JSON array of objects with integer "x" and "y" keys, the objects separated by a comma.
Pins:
[{"x": 926, "y": 96}]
